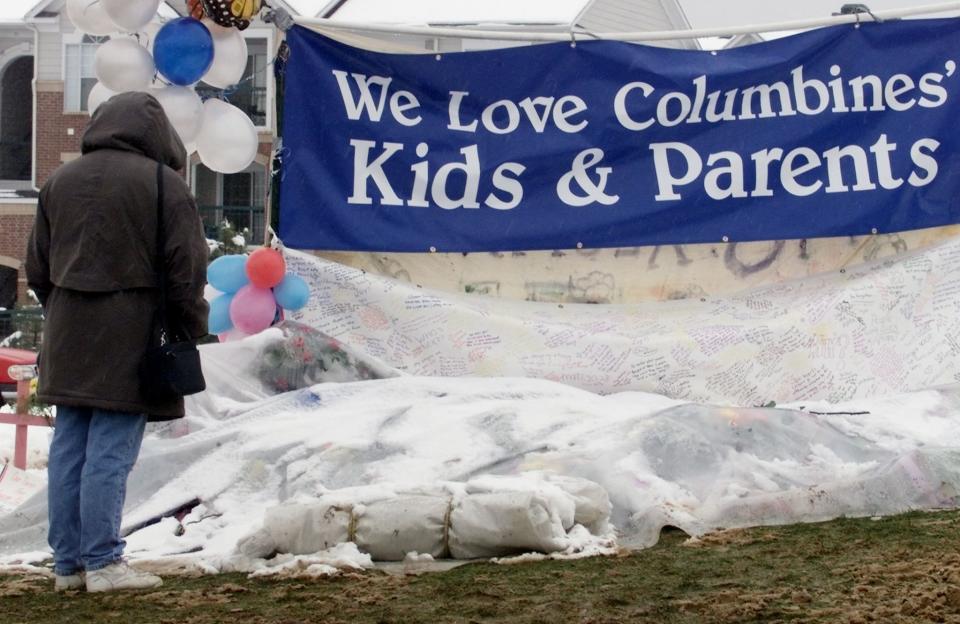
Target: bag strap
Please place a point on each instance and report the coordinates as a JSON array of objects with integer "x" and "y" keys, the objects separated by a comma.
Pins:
[{"x": 161, "y": 259}]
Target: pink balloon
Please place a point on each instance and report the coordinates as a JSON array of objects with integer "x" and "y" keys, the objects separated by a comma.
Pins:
[{"x": 252, "y": 309}]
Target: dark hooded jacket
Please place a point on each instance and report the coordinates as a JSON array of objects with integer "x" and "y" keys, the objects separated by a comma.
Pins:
[{"x": 92, "y": 255}]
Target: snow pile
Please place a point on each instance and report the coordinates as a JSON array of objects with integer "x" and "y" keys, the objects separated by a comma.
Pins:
[
  {"x": 11, "y": 339},
  {"x": 38, "y": 441},
  {"x": 212, "y": 478},
  {"x": 323, "y": 563},
  {"x": 482, "y": 466}
]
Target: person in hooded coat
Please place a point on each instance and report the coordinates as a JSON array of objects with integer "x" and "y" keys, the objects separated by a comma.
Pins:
[{"x": 91, "y": 262}]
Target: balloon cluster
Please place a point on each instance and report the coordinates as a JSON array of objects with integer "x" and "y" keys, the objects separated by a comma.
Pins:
[
  {"x": 256, "y": 289},
  {"x": 168, "y": 60},
  {"x": 227, "y": 13}
]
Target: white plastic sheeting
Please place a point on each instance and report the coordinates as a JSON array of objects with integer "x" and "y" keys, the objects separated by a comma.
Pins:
[
  {"x": 499, "y": 524},
  {"x": 660, "y": 461},
  {"x": 878, "y": 328},
  {"x": 636, "y": 274},
  {"x": 486, "y": 517},
  {"x": 851, "y": 337}
]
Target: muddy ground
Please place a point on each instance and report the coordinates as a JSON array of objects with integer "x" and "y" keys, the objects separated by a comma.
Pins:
[{"x": 900, "y": 569}]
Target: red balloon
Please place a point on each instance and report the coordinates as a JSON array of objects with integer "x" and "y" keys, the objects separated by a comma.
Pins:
[{"x": 266, "y": 267}]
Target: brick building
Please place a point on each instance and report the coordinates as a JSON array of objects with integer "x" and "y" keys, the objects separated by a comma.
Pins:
[{"x": 46, "y": 74}]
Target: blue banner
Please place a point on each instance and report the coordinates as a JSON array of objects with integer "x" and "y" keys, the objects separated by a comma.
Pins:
[{"x": 845, "y": 130}]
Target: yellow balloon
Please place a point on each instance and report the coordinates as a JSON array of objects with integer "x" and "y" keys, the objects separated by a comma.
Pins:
[{"x": 245, "y": 9}]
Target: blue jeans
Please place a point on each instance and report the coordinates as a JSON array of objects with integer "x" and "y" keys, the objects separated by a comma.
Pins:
[{"x": 92, "y": 453}]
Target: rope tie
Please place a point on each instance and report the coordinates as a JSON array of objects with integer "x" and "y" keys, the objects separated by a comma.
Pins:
[{"x": 446, "y": 529}]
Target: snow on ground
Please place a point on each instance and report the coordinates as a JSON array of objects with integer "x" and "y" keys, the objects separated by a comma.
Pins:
[
  {"x": 662, "y": 461},
  {"x": 9, "y": 340},
  {"x": 879, "y": 330},
  {"x": 38, "y": 441}
]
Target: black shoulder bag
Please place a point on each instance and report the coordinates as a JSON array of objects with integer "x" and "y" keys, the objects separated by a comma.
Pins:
[{"x": 171, "y": 365}]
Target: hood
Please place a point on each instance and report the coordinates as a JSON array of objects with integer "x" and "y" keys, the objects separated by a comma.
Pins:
[{"x": 135, "y": 122}]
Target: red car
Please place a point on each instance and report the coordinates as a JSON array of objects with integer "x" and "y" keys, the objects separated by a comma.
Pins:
[{"x": 8, "y": 358}]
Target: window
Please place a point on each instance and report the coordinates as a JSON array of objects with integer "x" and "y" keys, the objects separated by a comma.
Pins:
[
  {"x": 250, "y": 94},
  {"x": 16, "y": 122},
  {"x": 237, "y": 198},
  {"x": 78, "y": 75},
  {"x": 238, "y": 189}
]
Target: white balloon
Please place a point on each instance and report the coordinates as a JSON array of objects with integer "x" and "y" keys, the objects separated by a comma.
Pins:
[
  {"x": 144, "y": 38},
  {"x": 131, "y": 15},
  {"x": 210, "y": 293},
  {"x": 214, "y": 27},
  {"x": 184, "y": 110},
  {"x": 123, "y": 65},
  {"x": 228, "y": 140},
  {"x": 229, "y": 59},
  {"x": 146, "y": 35},
  {"x": 98, "y": 95},
  {"x": 190, "y": 147},
  {"x": 90, "y": 17}
]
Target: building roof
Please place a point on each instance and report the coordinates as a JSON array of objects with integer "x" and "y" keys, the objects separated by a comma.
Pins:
[{"x": 15, "y": 10}]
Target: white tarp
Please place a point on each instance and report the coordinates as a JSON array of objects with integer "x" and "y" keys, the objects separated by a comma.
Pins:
[
  {"x": 881, "y": 327},
  {"x": 636, "y": 274},
  {"x": 863, "y": 335},
  {"x": 661, "y": 461},
  {"x": 489, "y": 516}
]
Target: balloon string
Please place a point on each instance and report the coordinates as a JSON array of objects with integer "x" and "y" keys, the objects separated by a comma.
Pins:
[
  {"x": 210, "y": 92},
  {"x": 225, "y": 94}
]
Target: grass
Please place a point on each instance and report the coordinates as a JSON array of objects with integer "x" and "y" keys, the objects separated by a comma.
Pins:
[{"x": 900, "y": 569}]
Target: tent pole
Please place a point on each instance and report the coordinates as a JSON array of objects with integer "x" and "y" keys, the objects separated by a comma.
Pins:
[{"x": 326, "y": 24}]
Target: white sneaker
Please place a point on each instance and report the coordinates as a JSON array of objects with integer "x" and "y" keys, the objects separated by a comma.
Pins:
[
  {"x": 120, "y": 576},
  {"x": 70, "y": 582}
]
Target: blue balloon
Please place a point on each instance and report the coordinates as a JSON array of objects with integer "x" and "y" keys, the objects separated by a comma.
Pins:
[
  {"x": 292, "y": 293},
  {"x": 183, "y": 51},
  {"x": 219, "y": 320},
  {"x": 228, "y": 274}
]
